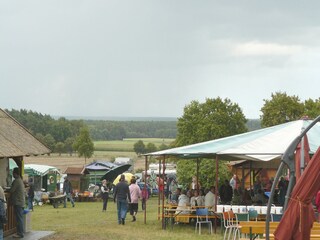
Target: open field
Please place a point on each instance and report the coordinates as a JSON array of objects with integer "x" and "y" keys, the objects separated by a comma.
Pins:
[
  {"x": 86, "y": 221},
  {"x": 125, "y": 149},
  {"x": 126, "y": 145}
]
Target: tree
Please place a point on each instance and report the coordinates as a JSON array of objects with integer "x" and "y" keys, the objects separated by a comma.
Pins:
[
  {"x": 216, "y": 118},
  {"x": 83, "y": 144},
  {"x": 151, "y": 147},
  {"x": 69, "y": 145},
  {"x": 139, "y": 147},
  {"x": 213, "y": 119},
  {"x": 312, "y": 108},
  {"x": 49, "y": 141},
  {"x": 280, "y": 109},
  {"x": 59, "y": 148}
]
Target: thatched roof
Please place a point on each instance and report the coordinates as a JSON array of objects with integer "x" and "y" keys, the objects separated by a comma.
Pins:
[{"x": 16, "y": 141}]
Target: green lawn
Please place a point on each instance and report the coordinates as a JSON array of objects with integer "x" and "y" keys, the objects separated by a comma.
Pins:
[{"x": 87, "y": 221}]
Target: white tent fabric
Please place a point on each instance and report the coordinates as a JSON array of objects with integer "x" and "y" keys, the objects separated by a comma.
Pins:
[
  {"x": 260, "y": 145},
  {"x": 41, "y": 170}
]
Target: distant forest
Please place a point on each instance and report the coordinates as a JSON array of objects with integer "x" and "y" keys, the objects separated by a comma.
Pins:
[{"x": 61, "y": 130}]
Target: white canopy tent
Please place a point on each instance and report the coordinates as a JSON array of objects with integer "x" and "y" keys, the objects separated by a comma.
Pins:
[{"x": 260, "y": 145}]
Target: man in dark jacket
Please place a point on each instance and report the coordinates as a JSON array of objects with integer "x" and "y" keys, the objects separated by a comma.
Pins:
[
  {"x": 18, "y": 200},
  {"x": 121, "y": 196},
  {"x": 67, "y": 190}
]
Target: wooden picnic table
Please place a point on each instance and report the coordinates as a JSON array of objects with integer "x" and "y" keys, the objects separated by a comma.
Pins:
[
  {"x": 172, "y": 213},
  {"x": 257, "y": 228}
]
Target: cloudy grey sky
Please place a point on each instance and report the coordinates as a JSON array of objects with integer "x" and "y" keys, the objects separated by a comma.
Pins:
[{"x": 148, "y": 58}]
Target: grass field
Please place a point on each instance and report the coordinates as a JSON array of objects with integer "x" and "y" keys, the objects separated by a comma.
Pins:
[
  {"x": 86, "y": 221},
  {"x": 126, "y": 145}
]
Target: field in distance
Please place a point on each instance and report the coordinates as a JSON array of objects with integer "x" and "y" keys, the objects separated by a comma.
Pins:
[
  {"x": 105, "y": 151},
  {"x": 126, "y": 145}
]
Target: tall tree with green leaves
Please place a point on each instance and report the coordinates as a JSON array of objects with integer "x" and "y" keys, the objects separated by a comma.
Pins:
[
  {"x": 139, "y": 147},
  {"x": 281, "y": 108},
  {"x": 213, "y": 119},
  {"x": 312, "y": 108},
  {"x": 83, "y": 144}
]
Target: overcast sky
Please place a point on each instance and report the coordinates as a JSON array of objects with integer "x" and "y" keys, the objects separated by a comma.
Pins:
[{"x": 145, "y": 58}]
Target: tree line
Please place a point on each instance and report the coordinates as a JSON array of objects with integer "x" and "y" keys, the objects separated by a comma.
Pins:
[{"x": 60, "y": 134}]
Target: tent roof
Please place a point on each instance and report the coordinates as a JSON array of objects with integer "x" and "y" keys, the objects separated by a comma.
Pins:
[
  {"x": 37, "y": 169},
  {"x": 15, "y": 140},
  {"x": 260, "y": 145}
]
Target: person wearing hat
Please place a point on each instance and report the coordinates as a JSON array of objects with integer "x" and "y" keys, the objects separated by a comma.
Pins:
[
  {"x": 104, "y": 195},
  {"x": 17, "y": 194},
  {"x": 121, "y": 196},
  {"x": 67, "y": 190}
]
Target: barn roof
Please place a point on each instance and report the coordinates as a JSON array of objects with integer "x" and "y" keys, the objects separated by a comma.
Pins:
[{"x": 16, "y": 140}]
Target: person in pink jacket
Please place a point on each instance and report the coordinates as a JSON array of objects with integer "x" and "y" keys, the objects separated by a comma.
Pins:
[{"x": 135, "y": 194}]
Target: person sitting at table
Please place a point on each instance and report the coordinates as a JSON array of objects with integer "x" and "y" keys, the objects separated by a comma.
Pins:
[
  {"x": 259, "y": 198},
  {"x": 175, "y": 196},
  {"x": 196, "y": 200},
  {"x": 210, "y": 198},
  {"x": 182, "y": 209}
]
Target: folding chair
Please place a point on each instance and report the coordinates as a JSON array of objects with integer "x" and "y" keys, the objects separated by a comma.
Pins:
[
  {"x": 202, "y": 217},
  {"x": 229, "y": 223},
  {"x": 240, "y": 217},
  {"x": 276, "y": 217},
  {"x": 253, "y": 215}
]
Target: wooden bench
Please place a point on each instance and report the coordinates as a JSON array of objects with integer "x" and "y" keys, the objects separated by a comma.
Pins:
[{"x": 254, "y": 228}]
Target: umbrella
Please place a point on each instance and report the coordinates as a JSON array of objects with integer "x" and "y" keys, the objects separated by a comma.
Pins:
[
  {"x": 114, "y": 172},
  {"x": 298, "y": 219},
  {"x": 127, "y": 177}
]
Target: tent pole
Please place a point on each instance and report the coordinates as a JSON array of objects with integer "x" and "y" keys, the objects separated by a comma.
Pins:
[
  {"x": 159, "y": 175},
  {"x": 270, "y": 201},
  {"x": 217, "y": 182},
  {"x": 250, "y": 176},
  {"x": 216, "y": 193},
  {"x": 162, "y": 187},
  {"x": 197, "y": 182},
  {"x": 145, "y": 187}
]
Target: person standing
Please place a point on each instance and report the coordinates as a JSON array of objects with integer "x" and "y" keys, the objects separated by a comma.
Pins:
[
  {"x": 226, "y": 192},
  {"x": 233, "y": 182},
  {"x": 67, "y": 190},
  {"x": 121, "y": 196},
  {"x": 4, "y": 205},
  {"x": 105, "y": 195},
  {"x": 135, "y": 194},
  {"x": 30, "y": 196},
  {"x": 17, "y": 194},
  {"x": 144, "y": 196}
]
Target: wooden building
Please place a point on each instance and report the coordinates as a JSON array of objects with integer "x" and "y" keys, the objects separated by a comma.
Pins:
[
  {"x": 78, "y": 178},
  {"x": 16, "y": 142}
]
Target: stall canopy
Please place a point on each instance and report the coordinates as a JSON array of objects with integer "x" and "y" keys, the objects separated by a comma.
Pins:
[
  {"x": 260, "y": 145},
  {"x": 39, "y": 170}
]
